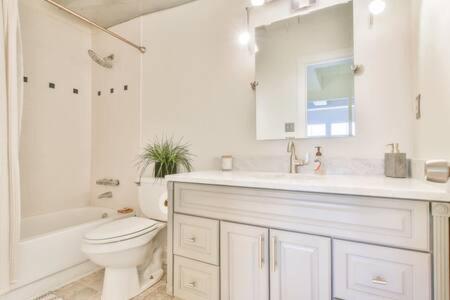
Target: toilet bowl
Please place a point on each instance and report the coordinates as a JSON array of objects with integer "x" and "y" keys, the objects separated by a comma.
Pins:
[{"x": 130, "y": 249}]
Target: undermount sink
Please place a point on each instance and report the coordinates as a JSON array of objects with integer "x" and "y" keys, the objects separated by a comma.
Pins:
[{"x": 276, "y": 175}]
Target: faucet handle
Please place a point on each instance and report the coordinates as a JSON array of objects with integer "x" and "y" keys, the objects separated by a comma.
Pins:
[{"x": 306, "y": 160}]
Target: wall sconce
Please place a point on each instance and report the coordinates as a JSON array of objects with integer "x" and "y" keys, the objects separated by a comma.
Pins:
[
  {"x": 376, "y": 7},
  {"x": 244, "y": 38},
  {"x": 302, "y": 4},
  {"x": 258, "y": 2}
]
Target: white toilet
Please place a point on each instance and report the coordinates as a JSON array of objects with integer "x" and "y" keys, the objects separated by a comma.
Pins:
[{"x": 130, "y": 249}]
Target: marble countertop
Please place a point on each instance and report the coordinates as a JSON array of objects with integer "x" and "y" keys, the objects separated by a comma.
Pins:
[{"x": 377, "y": 186}]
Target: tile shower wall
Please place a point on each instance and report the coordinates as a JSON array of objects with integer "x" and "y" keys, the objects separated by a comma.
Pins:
[
  {"x": 56, "y": 131},
  {"x": 115, "y": 110}
]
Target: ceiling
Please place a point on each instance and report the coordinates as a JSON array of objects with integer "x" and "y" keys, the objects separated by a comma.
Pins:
[{"x": 112, "y": 12}]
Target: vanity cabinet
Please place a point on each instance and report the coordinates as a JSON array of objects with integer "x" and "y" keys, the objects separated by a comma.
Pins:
[
  {"x": 236, "y": 243},
  {"x": 244, "y": 262},
  {"x": 300, "y": 266}
]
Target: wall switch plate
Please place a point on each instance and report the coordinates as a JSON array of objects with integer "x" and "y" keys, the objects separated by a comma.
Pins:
[
  {"x": 417, "y": 107},
  {"x": 289, "y": 127}
]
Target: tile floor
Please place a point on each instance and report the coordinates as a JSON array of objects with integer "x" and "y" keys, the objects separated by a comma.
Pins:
[{"x": 90, "y": 288}]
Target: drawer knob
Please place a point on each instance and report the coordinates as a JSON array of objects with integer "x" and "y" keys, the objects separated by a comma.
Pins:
[
  {"x": 191, "y": 285},
  {"x": 379, "y": 280}
]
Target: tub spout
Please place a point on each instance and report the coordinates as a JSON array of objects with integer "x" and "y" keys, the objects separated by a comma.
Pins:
[{"x": 105, "y": 195}]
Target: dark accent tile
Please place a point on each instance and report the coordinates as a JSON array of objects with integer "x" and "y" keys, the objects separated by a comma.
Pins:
[
  {"x": 25, "y": 79},
  {"x": 99, "y": 93},
  {"x": 51, "y": 85},
  {"x": 75, "y": 91},
  {"x": 111, "y": 91},
  {"x": 125, "y": 87}
]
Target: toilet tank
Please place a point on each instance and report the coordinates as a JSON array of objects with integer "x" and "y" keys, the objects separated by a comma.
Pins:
[{"x": 152, "y": 198}]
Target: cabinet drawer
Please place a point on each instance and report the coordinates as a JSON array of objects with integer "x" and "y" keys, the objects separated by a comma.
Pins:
[
  {"x": 366, "y": 272},
  {"x": 196, "y": 238},
  {"x": 391, "y": 222},
  {"x": 194, "y": 280}
]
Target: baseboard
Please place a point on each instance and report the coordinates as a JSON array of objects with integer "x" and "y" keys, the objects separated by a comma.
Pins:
[{"x": 50, "y": 283}]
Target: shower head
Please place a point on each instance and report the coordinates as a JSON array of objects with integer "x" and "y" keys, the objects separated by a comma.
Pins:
[{"x": 106, "y": 62}]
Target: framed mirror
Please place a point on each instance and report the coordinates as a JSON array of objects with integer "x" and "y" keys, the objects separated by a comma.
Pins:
[{"x": 304, "y": 70}]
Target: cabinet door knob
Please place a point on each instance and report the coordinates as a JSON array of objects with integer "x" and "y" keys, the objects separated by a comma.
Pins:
[{"x": 379, "y": 280}]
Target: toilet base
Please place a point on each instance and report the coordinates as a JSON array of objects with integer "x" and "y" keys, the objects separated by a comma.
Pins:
[{"x": 124, "y": 283}]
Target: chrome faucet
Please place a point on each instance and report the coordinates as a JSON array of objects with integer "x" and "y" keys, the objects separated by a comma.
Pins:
[
  {"x": 294, "y": 162},
  {"x": 105, "y": 195}
]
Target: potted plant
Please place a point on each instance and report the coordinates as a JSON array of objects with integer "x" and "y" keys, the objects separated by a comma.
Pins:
[{"x": 167, "y": 157}]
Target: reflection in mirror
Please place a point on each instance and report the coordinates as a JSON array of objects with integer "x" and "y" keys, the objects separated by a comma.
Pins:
[
  {"x": 305, "y": 78},
  {"x": 330, "y": 99}
]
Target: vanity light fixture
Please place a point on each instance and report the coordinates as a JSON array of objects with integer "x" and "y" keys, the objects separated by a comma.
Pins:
[
  {"x": 376, "y": 7},
  {"x": 302, "y": 4},
  {"x": 258, "y": 2},
  {"x": 244, "y": 38}
]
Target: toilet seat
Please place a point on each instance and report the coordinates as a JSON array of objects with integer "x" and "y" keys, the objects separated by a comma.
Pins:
[{"x": 121, "y": 230}]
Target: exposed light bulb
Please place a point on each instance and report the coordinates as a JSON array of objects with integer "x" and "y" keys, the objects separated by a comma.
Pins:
[
  {"x": 244, "y": 38},
  {"x": 376, "y": 7},
  {"x": 257, "y": 2}
]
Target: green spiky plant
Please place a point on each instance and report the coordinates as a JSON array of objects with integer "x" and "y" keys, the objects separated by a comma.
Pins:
[{"x": 167, "y": 156}]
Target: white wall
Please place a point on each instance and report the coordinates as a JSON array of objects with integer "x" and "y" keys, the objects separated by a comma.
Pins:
[
  {"x": 56, "y": 136},
  {"x": 196, "y": 83},
  {"x": 433, "y": 79}
]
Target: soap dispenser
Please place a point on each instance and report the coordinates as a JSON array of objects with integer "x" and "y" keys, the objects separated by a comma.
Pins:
[
  {"x": 319, "y": 167},
  {"x": 395, "y": 163}
]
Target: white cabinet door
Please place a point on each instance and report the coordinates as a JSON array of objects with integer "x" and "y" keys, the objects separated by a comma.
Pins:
[
  {"x": 244, "y": 262},
  {"x": 300, "y": 266}
]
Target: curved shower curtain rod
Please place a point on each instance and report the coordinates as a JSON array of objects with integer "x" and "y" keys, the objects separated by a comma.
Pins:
[{"x": 141, "y": 49}]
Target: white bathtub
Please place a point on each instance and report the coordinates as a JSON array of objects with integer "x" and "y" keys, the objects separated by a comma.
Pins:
[{"x": 51, "y": 243}]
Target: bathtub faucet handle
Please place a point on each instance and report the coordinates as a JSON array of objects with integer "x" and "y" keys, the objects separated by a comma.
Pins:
[{"x": 108, "y": 182}]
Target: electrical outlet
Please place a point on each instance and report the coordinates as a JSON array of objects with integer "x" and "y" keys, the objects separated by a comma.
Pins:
[{"x": 289, "y": 127}]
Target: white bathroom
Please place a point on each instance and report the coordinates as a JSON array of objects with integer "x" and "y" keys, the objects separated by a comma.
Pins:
[{"x": 225, "y": 150}]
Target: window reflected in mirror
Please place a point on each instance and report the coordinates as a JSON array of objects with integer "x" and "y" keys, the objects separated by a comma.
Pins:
[{"x": 330, "y": 99}]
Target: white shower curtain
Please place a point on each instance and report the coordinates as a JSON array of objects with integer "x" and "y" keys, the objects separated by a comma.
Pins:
[{"x": 10, "y": 118}]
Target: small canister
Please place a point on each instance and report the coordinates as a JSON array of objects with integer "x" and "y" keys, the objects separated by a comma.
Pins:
[
  {"x": 227, "y": 163},
  {"x": 395, "y": 163}
]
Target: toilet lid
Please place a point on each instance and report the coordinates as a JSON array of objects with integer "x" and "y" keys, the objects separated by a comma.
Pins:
[{"x": 121, "y": 229}]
